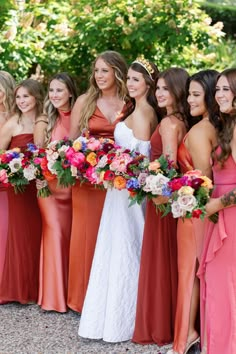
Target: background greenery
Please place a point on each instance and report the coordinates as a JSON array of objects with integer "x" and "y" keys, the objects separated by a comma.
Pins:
[{"x": 44, "y": 37}]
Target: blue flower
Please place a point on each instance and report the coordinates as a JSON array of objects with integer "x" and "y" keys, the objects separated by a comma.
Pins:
[
  {"x": 132, "y": 183},
  {"x": 166, "y": 191},
  {"x": 32, "y": 147}
]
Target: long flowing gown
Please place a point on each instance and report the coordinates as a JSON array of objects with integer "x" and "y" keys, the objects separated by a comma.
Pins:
[
  {"x": 217, "y": 269},
  {"x": 110, "y": 301},
  {"x": 157, "y": 287},
  {"x": 190, "y": 234},
  {"x": 3, "y": 228},
  {"x": 21, "y": 266},
  {"x": 87, "y": 205},
  {"x": 56, "y": 211}
]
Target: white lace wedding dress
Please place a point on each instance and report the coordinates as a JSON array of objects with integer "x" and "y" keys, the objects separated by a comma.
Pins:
[{"x": 110, "y": 302}]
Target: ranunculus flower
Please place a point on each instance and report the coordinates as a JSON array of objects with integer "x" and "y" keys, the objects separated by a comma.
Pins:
[
  {"x": 119, "y": 182},
  {"x": 109, "y": 176},
  {"x": 107, "y": 147},
  {"x": 92, "y": 158},
  {"x": 207, "y": 182},
  {"x": 186, "y": 190},
  {"x": 154, "y": 166},
  {"x": 77, "y": 145},
  {"x": 77, "y": 159},
  {"x": 70, "y": 153},
  {"x": 91, "y": 175},
  {"x": 196, "y": 183}
]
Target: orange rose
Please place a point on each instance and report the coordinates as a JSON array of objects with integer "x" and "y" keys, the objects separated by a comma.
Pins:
[
  {"x": 92, "y": 158},
  {"x": 132, "y": 194},
  {"x": 154, "y": 166},
  {"x": 48, "y": 175},
  {"x": 119, "y": 182}
]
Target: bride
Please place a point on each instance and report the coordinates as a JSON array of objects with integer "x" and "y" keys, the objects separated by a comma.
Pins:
[{"x": 110, "y": 302}]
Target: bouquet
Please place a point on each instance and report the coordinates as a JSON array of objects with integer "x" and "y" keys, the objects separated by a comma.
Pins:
[
  {"x": 189, "y": 195},
  {"x": 12, "y": 165},
  {"x": 152, "y": 181}
]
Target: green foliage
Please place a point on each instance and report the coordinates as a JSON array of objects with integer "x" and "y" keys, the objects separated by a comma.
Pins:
[{"x": 59, "y": 35}]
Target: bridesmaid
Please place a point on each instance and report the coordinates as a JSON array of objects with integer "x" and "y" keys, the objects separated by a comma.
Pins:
[
  {"x": 158, "y": 271},
  {"x": 217, "y": 269},
  {"x": 98, "y": 110},
  {"x": 7, "y": 85},
  {"x": 190, "y": 232},
  {"x": 21, "y": 267},
  {"x": 56, "y": 210}
]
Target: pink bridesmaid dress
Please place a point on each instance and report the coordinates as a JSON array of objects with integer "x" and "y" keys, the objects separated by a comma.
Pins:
[{"x": 56, "y": 211}]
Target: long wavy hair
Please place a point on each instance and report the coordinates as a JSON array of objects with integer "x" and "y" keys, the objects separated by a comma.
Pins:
[
  {"x": 7, "y": 86},
  {"x": 207, "y": 79},
  {"x": 151, "y": 82},
  {"x": 118, "y": 64},
  {"x": 227, "y": 121},
  {"x": 34, "y": 89},
  {"x": 175, "y": 80},
  {"x": 49, "y": 110}
]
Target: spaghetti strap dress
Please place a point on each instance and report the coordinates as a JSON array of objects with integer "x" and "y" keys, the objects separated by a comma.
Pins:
[{"x": 20, "y": 275}]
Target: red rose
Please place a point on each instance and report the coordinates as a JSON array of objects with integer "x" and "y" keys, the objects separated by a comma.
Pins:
[{"x": 196, "y": 213}]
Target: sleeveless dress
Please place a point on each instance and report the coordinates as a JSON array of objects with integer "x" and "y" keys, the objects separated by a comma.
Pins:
[
  {"x": 3, "y": 227},
  {"x": 217, "y": 269},
  {"x": 56, "y": 211},
  {"x": 110, "y": 302},
  {"x": 157, "y": 287},
  {"x": 190, "y": 234},
  {"x": 87, "y": 205},
  {"x": 21, "y": 267}
]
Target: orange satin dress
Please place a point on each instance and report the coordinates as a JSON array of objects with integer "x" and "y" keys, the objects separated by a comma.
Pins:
[
  {"x": 21, "y": 266},
  {"x": 87, "y": 204},
  {"x": 56, "y": 211},
  {"x": 157, "y": 289},
  {"x": 190, "y": 234}
]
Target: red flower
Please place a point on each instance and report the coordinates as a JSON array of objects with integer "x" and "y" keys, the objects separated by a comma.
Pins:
[
  {"x": 196, "y": 183},
  {"x": 109, "y": 176},
  {"x": 196, "y": 213},
  {"x": 175, "y": 184},
  {"x": 110, "y": 157}
]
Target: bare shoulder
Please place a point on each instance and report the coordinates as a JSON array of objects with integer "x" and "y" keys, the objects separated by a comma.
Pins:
[
  {"x": 11, "y": 122},
  {"x": 81, "y": 99},
  {"x": 203, "y": 128},
  {"x": 171, "y": 122},
  {"x": 43, "y": 119}
]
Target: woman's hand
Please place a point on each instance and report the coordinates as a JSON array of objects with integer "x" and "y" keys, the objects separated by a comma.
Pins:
[
  {"x": 160, "y": 199},
  {"x": 213, "y": 206}
]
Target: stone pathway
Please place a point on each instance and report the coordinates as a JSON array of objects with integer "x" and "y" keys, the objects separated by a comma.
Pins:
[{"x": 27, "y": 329}]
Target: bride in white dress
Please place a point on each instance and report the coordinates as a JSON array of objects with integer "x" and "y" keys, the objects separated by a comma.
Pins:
[{"x": 110, "y": 302}]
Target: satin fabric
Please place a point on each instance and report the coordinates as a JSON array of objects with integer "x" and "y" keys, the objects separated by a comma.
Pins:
[
  {"x": 21, "y": 267},
  {"x": 190, "y": 234},
  {"x": 3, "y": 227},
  {"x": 56, "y": 211},
  {"x": 217, "y": 269},
  {"x": 157, "y": 287},
  {"x": 87, "y": 207}
]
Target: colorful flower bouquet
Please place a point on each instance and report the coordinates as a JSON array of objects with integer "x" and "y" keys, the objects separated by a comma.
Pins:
[
  {"x": 189, "y": 195},
  {"x": 152, "y": 181}
]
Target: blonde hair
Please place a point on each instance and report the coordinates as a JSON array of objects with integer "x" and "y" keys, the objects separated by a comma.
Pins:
[
  {"x": 118, "y": 64},
  {"x": 49, "y": 110},
  {"x": 7, "y": 85}
]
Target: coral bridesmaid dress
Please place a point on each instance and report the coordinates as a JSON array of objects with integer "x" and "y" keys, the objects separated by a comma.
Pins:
[
  {"x": 217, "y": 269},
  {"x": 21, "y": 267},
  {"x": 190, "y": 234},
  {"x": 56, "y": 211},
  {"x": 87, "y": 210},
  {"x": 157, "y": 288}
]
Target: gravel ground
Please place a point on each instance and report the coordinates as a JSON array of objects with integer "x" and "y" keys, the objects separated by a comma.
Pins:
[{"x": 27, "y": 329}]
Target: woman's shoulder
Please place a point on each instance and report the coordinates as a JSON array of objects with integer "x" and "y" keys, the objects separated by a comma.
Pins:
[
  {"x": 42, "y": 119},
  {"x": 171, "y": 121}
]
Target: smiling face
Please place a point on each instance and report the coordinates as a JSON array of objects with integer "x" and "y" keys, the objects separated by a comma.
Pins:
[
  {"x": 104, "y": 75},
  {"x": 59, "y": 95},
  {"x": 224, "y": 95},
  {"x": 24, "y": 100},
  {"x": 163, "y": 96},
  {"x": 136, "y": 84},
  {"x": 196, "y": 99}
]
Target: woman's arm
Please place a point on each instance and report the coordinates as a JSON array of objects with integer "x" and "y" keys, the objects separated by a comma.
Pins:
[
  {"x": 225, "y": 201},
  {"x": 6, "y": 133},
  {"x": 40, "y": 131},
  {"x": 76, "y": 116}
]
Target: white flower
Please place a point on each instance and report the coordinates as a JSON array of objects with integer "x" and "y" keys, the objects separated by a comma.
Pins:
[
  {"x": 187, "y": 202},
  {"x": 73, "y": 170},
  {"x": 155, "y": 184},
  {"x": 102, "y": 162},
  {"x": 63, "y": 148},
  {"x": 50, "y": 167},
  {"x": 15, "y": 164},
  {"x": 30, "y": 172},
  {"x": 176, "y": 210},
  {"x": 142, "y": 178}
]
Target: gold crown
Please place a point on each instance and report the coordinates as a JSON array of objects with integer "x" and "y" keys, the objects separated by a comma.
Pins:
[{"x": 145, "y": 64}]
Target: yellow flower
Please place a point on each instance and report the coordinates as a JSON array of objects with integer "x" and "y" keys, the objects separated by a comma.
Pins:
[
  {"x": 92, "y": 158},
  {"x": 77, "y": 145},
  {"x": 119, "y": 182},
  {"x": 207, "y": 182},
  {"x": 186, "y": 190},
  {"x": 101, "y": 176}
]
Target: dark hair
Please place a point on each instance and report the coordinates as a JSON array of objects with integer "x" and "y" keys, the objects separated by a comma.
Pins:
[
  {"x": 175, "y": 80},
  {"x": 150, "y": 79},
  {"x": 207, "y": 79}
]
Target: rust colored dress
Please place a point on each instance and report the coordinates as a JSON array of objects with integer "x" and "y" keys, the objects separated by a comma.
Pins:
[
  {"x": 56, "y": 211},
  {"x": 87, "y": 204},
  {"x": 21, "y": 267},
  {"x": 157, "y": 289},
  {"x": 189, "y": 242}
]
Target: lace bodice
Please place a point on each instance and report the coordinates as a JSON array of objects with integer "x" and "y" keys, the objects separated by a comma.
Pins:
[{"x": 124, "y": 137}]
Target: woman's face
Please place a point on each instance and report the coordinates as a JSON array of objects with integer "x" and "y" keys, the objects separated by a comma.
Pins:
[
  {"x": 224, "y": 96},
  {"x": 163, "y": 96},
  {"x": 104, "y": 75},
  {"x": 59, "y": 95},
  {"x": 24, "y": 100},
  {"x": 196, "y": 99},
  {"x": 136, "y": 84}
]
